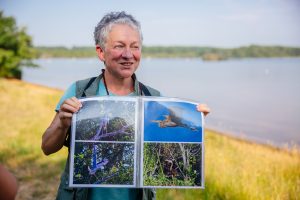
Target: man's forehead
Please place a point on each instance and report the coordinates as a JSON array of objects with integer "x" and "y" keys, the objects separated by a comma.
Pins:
[
  {"x": 123, "y": 33},
  {"x": 123, "y": 27}
]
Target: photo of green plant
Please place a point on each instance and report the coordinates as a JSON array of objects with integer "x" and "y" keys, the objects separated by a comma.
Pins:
[
  {"x": 104, "y": 163},
  {"x": 172, "y": 164}
]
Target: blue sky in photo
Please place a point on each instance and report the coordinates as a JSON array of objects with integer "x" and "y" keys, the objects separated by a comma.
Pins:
[
  {"x": 218, "y": 23},
  {"x": 187, "y": 112}
]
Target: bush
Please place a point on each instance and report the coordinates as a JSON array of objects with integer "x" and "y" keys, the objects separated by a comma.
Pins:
[{"x": 15, "y": 48}]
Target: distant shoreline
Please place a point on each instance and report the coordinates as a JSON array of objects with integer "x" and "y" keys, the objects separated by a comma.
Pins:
[{"x": 205, "y": 53}]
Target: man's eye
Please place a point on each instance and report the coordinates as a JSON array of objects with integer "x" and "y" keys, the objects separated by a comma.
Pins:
[
  {"x": 118, "y": 47},
  {"x": 135, "y": 47}
]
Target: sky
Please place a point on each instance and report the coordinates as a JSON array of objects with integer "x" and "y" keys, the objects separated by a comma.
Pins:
[{"x": 216, "y": 23}]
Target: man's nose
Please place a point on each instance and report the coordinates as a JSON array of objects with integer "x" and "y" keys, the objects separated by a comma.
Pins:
[{"x": 127, "y": 53}]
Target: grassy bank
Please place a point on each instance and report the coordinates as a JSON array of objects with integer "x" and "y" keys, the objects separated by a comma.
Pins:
[
  {"x": 234, "y": 169},
  {"x": 26, "y": 110}
]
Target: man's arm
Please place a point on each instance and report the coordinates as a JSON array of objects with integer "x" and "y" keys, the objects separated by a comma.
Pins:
[{"x": 54, "y": 137}]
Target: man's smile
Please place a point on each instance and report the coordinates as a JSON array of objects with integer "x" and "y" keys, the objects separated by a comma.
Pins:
[{"x": 127, "y": 64}]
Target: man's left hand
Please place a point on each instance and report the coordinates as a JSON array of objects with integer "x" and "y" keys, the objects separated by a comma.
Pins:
[{"x": 203, "y": 108}]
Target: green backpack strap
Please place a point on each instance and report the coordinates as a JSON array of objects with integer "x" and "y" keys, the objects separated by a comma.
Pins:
[
  {"x": 88, "y": 85},
  {"x": 84, "y": 88},
  {"x": 144, "y": 89}
]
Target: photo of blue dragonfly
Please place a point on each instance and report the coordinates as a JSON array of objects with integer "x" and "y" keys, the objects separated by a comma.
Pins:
[
  {"x": 95, "y": 164},
  {"x": 104, "y": 143},
  {"x": 102, "y": 163}
]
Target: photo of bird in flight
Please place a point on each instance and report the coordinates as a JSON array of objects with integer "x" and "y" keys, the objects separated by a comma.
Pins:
[{"x": 173, "y": 120}]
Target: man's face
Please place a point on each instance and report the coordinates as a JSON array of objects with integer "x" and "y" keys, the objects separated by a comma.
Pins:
[{"x": 122, "y": 51}]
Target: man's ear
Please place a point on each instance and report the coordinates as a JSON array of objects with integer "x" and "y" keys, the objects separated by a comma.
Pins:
[{"x": 100, "y": 53}]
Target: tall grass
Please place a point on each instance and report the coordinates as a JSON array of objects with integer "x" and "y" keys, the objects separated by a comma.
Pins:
[
  {"x": 26, "y": 110},
  {"x": 234, "y": 169}
]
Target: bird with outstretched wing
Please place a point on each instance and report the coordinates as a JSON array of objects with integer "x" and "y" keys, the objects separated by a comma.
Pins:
[{"x": 173, "y": 119}]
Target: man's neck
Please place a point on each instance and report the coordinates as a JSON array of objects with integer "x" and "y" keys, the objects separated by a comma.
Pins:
[{"x": 118, "y": 86}]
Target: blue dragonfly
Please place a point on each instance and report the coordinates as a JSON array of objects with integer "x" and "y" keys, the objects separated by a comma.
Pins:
[{"x": 96, "y": 165}]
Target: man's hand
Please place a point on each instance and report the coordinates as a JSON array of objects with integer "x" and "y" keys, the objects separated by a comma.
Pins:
[
  {"x": 203, "y": 108},
  {"x": 54, "y": 137},
  {"x": 66, "y": 111}
]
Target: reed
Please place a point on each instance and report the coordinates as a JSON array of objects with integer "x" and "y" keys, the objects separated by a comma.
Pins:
[{"x": 236, "y": 169}]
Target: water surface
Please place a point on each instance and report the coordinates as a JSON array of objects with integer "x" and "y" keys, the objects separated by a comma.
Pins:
[{"x": 257, "y": 99}]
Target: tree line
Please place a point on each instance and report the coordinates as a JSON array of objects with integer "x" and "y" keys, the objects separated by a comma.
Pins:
[{"x": 206, "y": 53}]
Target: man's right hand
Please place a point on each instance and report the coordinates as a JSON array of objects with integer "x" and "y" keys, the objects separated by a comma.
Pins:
[
  {"x": 54, "y": 137},
  {"x": 66, "y": 111}
]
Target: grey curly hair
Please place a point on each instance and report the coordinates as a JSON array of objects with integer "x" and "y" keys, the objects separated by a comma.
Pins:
[{"x": 108, "y": 21}]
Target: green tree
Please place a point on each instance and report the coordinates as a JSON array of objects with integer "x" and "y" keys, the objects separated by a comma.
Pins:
[{"x": 15, "y": 48}]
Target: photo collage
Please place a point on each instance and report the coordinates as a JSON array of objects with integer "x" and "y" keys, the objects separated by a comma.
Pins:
[{"x": 137, "y": 142}]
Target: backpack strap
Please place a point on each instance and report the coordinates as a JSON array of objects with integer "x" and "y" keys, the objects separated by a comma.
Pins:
[
  {"x": 141, "y": 88},
  {"x": 144, "y": 89},
  {"x": 88, "y": 85},
  {"x": 84, "y": 90}
]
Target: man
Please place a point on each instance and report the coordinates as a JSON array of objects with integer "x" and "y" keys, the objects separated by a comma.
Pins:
[{"x": 118, "y": 41}]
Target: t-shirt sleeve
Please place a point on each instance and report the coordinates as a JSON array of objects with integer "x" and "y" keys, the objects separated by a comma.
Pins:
[{"x": 70, "y": 92}]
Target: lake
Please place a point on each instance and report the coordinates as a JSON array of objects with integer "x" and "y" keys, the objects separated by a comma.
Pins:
[{"x": 256, "y": 99}]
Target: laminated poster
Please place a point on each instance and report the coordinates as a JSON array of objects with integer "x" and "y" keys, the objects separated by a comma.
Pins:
[{"x": 137, "y": 142}]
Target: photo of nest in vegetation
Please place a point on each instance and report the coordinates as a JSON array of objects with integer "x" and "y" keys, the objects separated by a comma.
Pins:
[
  {"x": 105, "y": 120},
  {"x": 103, "y": 163},
  {"x": 172, "y": 164}
]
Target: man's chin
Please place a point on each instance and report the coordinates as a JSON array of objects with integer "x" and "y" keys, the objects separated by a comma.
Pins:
[{"x": 126, "y": 73}]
